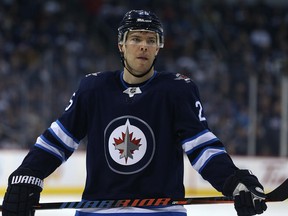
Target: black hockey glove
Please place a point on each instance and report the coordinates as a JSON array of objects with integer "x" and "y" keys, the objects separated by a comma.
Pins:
[
  {"x": 249, "y": 197},
  {"x": 22, "y": 193}
]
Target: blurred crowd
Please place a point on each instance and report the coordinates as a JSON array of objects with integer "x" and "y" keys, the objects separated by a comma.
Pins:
[{"x": 46, "y": 47}]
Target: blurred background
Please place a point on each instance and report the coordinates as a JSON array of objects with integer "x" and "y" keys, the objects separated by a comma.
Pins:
[{"x": 235, "y": 50}]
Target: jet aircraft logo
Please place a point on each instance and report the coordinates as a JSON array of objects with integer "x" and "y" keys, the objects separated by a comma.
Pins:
[
  {"x": 125, "y": 146},
  {"x": 129, "y": 144}
]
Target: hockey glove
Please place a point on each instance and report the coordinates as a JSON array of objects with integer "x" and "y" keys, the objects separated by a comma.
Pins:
[
  {"x": 249, "y": 197},
  {"x": 22, "y": 193}
]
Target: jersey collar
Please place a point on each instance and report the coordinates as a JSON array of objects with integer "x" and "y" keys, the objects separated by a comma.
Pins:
[{"x": 140, "y": 85}]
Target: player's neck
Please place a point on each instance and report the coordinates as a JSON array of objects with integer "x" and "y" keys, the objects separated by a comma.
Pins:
[{"x": 130, "y": 79}]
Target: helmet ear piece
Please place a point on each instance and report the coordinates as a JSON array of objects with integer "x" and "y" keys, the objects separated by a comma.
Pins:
[{"x": 120, "y": 47}]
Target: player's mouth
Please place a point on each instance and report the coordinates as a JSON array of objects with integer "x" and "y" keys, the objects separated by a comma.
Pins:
[{"x": 143, "y": 58}]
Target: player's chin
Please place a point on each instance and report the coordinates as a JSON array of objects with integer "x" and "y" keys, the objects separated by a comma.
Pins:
[
  {"x": 142, "y": 71},
  {"x": 145, "y": 66}
]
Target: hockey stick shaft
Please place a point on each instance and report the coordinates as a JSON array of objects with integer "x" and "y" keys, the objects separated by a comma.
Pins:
[
  {"x": 277, "y": 195},
  {"x": 156, "y": 202}
]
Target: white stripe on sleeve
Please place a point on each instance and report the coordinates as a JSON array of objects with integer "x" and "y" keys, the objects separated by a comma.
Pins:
[
  {"x": 46, "y": 146},
  {"x": 198, "y": 140},
  {"x": 205, "y": 156},
  {"x": 63, "y": 136}
]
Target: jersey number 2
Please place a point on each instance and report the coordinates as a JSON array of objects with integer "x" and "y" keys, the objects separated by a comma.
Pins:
[{"x": 200, "y": 113}]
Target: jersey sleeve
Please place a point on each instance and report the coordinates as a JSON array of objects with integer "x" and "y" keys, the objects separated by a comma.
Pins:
[
  {"x": 205, "y": 151},
  {"x": 57, "y": 143}
]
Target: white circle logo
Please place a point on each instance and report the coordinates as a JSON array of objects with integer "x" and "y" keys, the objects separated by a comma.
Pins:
[{"x": 127, "y": 144}]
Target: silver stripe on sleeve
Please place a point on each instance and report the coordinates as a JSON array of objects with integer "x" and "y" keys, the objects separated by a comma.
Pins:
[
  {"x": 44, "y": 145},
  {"x": 198, "y": 141},
  {"x": 204, "y": 157},
  {"x": 66, "y": 139}
]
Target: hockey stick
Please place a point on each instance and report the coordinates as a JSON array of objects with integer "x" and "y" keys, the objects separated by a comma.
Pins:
[{"x": 277, "y": 195}]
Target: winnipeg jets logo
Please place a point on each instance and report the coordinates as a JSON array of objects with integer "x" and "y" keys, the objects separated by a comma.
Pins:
[
  {"x": 131, "y": 91},
  {"x": 126, "y": 144}
]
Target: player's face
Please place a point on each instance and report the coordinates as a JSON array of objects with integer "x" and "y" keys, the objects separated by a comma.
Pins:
[{"x": 140, "y": 50}]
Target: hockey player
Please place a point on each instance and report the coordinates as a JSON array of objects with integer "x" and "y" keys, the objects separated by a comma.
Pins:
[{"x": 138, "y": 122}]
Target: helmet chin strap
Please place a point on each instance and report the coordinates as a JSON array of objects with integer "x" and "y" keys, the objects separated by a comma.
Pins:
[{"x": 130, "y": 69}]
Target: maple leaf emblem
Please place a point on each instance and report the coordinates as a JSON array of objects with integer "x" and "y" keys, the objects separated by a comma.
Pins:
[{"x": 126, "y": 145}]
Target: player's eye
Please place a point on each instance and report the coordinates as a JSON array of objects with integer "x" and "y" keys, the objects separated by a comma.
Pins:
[
  {"x": 135, "y": 40},
  {"x": 151, "y": 42}
]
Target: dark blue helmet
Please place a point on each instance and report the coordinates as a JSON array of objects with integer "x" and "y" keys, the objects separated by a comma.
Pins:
[{"x": 140, "y": 20}]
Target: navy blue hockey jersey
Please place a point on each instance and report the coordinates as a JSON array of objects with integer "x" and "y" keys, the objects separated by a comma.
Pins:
[{"x": 136, "y": 136}]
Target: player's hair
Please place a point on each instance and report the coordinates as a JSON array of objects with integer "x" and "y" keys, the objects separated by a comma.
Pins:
[{"x": 140, "y": 20}]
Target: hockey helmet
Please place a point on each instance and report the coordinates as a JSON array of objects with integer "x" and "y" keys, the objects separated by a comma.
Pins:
[{"x": 140, "y": 20}]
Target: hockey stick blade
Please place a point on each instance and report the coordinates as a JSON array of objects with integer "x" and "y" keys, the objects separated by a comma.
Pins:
[{"x": 277, "y": 195}]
